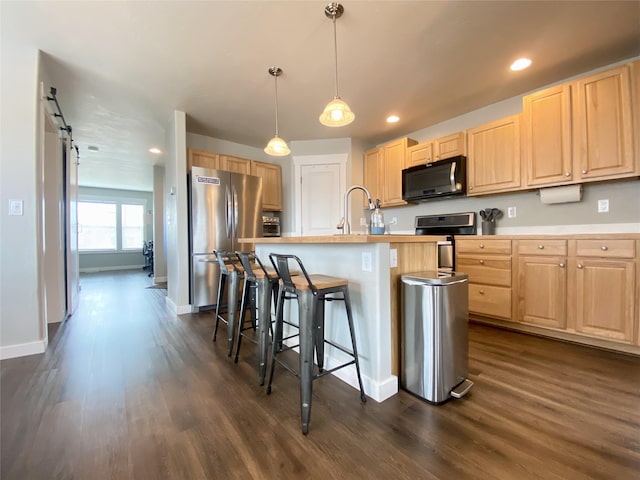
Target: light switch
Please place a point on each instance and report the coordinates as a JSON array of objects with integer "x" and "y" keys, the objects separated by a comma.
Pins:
[{"x": 15, "y": 207}]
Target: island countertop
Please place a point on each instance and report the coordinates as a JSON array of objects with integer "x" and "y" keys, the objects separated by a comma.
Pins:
[
  {"x": 353, "y": 238},
  {"x": 373, "y": 266}
]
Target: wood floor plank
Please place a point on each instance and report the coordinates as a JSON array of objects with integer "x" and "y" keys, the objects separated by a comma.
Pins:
[{"x": 140, "y": 393}]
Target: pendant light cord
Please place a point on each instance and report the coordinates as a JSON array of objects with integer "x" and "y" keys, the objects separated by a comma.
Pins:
[
  {"x": 276, "y": 80},
  {"x": 335, "y": 51}
]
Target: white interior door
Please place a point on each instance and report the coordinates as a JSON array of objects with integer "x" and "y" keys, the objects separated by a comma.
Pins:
[
  {"x": 318, "y": 199},
  {"x": 73, "y": 257}
]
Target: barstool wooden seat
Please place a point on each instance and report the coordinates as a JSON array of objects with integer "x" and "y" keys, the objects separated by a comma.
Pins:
[
  {"x": 232, "y": 271},
  {"x": 311, "y": 292}
]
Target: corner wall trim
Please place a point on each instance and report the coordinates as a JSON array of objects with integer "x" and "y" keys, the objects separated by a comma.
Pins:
[
  {"x": 23, "y": 349},
  {"x": 177, "y": 309}
]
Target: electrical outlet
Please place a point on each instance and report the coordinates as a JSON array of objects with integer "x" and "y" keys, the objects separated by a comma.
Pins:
[
  {"x": 363, "y": 222},
  {"x": 603, "y": 206},
  {"x": 393, "y": 257},
  {"x": 511, "y": 212},
  {"x": 366, "y": 262},
  {"x": 393, "y": 221}
]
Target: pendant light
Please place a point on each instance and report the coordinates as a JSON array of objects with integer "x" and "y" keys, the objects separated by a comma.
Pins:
[
  {"x": 277, "y": 147},
  {"x": 337, "y": 113}
]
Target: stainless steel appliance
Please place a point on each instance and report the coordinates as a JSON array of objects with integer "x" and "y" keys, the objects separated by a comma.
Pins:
[
  {"x": 435, "y": 180},
  {"x": 449, "y": 224},
  {"x": 223, "y": 206},
  {"x": 435, "y": 335},
  {"x": 270, "y": 226}
]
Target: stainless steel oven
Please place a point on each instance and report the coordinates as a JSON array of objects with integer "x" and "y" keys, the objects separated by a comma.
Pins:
[
  {"x": 450, "y": 225},
  {"x": 270, "y": 226}
]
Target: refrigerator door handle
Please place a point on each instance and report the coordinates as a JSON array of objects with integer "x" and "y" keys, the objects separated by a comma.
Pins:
[
  {"x": 235, "y": 213},
  {"x": 228, "y": 211}
]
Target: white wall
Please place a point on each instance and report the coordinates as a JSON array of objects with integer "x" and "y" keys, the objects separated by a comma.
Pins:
[
  {"x": 21, "y": 325},
  {"x": 176, "y": 218},
  {"x": 159, "y": 234}
]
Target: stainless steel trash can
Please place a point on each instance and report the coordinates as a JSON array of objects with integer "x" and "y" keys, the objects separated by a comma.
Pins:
[{"x": 435, "y": 335}]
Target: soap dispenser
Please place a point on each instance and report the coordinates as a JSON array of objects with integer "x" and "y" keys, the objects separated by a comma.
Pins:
[{"x": 377, "y": 220}]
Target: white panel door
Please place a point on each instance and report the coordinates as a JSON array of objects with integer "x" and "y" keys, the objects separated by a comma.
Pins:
[{"x": 319, "y": 187}]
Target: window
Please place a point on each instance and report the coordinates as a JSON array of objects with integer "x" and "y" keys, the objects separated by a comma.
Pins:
[
  {"x": 132, "y": 226},
  {"x": 110, "y": 226},
  {"x": 98, "y": 229}
]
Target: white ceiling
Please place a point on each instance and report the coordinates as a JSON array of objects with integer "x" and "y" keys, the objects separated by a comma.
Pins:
[{"x": 122, "y": 67}]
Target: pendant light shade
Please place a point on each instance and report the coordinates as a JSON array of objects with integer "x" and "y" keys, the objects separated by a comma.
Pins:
[
  {"x": 276, "y": 147},
  {"x": 337, "y": 113}
]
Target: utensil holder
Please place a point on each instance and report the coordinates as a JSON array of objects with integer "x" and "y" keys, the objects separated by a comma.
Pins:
[{"x": 488, "y": 227}]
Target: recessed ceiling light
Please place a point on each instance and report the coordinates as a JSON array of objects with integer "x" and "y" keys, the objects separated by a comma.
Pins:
[
  {"x": 392, "y": 118},
  {"x": 155, "y": 150},
  {"x": 520, "y": 64},
  {"x": 92, "y": 148}
]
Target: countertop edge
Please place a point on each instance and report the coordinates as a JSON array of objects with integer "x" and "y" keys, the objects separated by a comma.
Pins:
[{"x": 319, "y": 239}]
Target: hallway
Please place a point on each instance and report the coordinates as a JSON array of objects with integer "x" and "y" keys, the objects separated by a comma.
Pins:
[{"x": 127, "y": 390}]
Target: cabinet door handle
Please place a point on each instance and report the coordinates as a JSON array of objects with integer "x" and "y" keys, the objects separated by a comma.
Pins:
[
  {"x": 481, "y": 262},
  {"x": 541, "y": 247},
  {"x": 604, "y": 248},
  {"x": 584, "y": 171},
  {"x": 567, "y": 174},
  {"x": 481, "y": 292},
  {"x": 561, "y": 265},
  {"x": 481, "y": 245},
  {"x": 580, "y": 266}
]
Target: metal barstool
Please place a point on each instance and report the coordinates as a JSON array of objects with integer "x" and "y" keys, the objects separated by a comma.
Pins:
[
  {"x": 231, "y": 270},
  {"x": 257, "y": 279},
  {"x": 311, "y": 291}
]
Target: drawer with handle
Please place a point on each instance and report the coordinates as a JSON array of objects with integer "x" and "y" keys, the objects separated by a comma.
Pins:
[
  {"x": 489, "y": 300},
  {"x": 606, "y": 248},
  {"x": 542, "y": 247},
  {"x": 493, "y": 270},
  {"x": 500, "y": 247}
]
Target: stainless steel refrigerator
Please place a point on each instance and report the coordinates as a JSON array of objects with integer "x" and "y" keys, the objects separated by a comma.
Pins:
[{"x": 223, "y": 206}]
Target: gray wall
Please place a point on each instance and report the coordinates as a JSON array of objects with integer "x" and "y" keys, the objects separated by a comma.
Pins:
[{"x": 91, "y": 262}]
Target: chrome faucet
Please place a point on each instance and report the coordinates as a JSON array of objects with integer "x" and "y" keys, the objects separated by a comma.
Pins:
[{"x": 344, "y": 223}]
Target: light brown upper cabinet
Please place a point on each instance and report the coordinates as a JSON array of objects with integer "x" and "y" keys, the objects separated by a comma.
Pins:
[
  {"x": 271, "y": 175},
  {"x": 603, "y": 125},
  {"x": 580, "y": 131},
  {"x": 372, "y": 168},
  {"x": 201, "y": 158},
  {"x": 494, "y": 157},
  {"x": 441, "y": 148},
  {"x": 547, "y": 152},
  {"x": 235, "y": 164},
  {"x": 393, "y": 161},
  {"x": 383, "y": 171}
]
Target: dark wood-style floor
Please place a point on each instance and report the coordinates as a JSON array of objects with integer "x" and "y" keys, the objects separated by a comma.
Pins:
[{"x": 127, "y": 390}]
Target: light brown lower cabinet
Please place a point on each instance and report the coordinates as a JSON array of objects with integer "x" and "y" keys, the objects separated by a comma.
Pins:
[
  {"x": 541, "y": 287},
  {"x": 605, "y": 290},
  {"x": 488, "y": 264},
  {"x": 573, "y": 287}
]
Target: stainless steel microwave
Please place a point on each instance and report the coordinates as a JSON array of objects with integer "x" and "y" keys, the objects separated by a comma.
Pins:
[{"x": 435, "y": 180}]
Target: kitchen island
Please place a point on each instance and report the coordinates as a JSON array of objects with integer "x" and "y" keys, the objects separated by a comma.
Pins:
[{"x": 373, "y": 264}]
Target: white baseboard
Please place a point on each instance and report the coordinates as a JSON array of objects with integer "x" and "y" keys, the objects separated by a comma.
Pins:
[
  {"x": 375, "y": 389},
  {"x": 23, "y": 349},
  {"x": 108, "y": 269},
  {"x": 177, "y": 309},
  {"x": 159, "y": 279}
]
